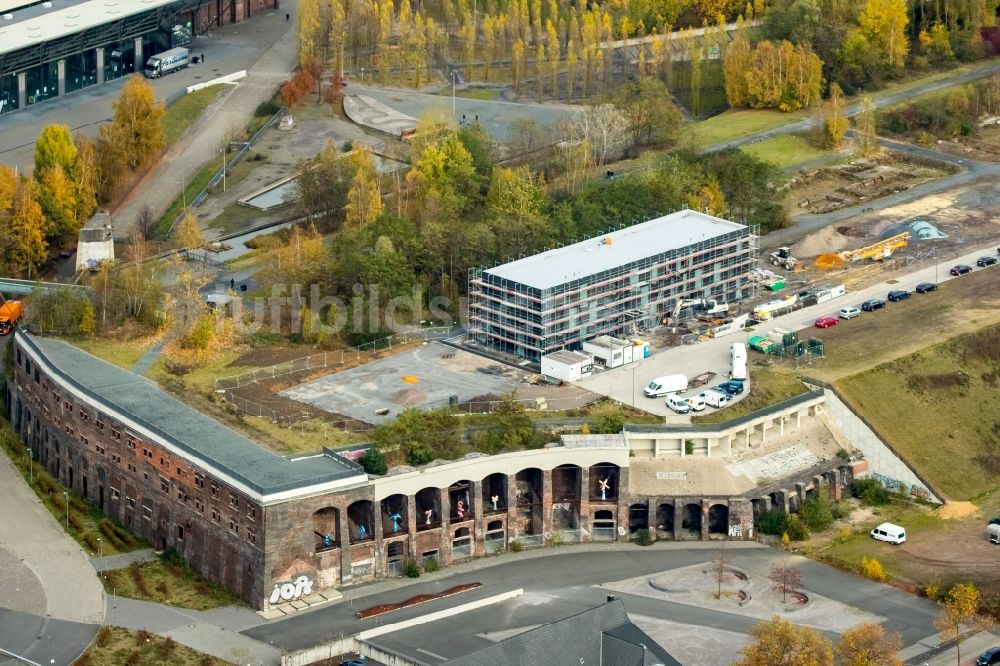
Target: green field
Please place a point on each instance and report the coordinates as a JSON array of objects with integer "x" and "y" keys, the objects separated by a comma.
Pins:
[
  {"x": 768, "y": 386},
  {"x": 785, "y": 151},
  {"x": 733, "y": 125},
  {"x": 940, "y": 409},
  {"x": 181, "y": 114}
]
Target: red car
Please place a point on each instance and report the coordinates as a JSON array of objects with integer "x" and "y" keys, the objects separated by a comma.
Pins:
[{"x": 826, "y": 321}]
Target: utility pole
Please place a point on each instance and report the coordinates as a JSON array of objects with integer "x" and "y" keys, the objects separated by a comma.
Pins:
[
  {"x": 31, "y": 468},
  {"x": 452, "y": 93},
  {"x": 223, "y": 149},
  {"x": 66, "y": 495}
]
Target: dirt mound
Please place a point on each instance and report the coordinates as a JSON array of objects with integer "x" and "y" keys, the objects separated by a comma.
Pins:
[
  {"x": 409, "y": 397},
  {"x": 824, "y": 241},
  {"x": 957, "y": 510},
  {"x": 828, "y": 262}
]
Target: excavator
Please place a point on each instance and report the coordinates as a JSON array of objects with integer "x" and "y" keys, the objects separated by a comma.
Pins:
[{"x": 707, "y": 306}]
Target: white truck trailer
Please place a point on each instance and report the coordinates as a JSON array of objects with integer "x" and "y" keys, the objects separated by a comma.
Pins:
[{"x": 166, "y": 62}]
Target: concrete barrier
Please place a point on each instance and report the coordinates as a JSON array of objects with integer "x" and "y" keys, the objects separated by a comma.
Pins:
[{"x": 228, "y": 78}]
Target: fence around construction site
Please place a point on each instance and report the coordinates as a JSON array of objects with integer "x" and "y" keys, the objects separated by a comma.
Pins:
[{"x": 329, "y": 358}]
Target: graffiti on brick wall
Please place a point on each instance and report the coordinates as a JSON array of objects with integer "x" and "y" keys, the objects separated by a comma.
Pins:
[
  {"x": 288, "y": 591},
  {"x": 897, "y": 486},
  {"x": 740, "y": 531}
]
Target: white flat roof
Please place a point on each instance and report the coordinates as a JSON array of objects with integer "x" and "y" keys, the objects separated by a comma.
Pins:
[
  {"x": 38, "y": 24},
  {"x": 618, "y": 248}
]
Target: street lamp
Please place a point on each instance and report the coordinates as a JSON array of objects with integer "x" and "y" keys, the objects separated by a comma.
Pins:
[
  {"x": 452, "y": 93},
  {"x": 223, "y": 151},
  {"x": 31, "y": 467},
  {"x": 362, "y": 75},
  {"x": 99, "y": 553},
  {"x": 66, "y": 495}
]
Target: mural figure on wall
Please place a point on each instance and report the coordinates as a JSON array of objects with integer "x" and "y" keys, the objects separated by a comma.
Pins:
[
  {"x": 605, "y": 485},
  {"x": 460, "y": 509},
  {"x": 395, "y": 518},
  {"x": 495, "y": 499},
  {"x": 361, "y": 531},
  {"x": 327, "y": 540},
  {"x": 428, "y": 514}
]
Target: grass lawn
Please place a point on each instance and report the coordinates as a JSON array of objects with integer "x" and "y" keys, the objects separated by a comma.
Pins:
[
  {"x": 487, "y": 94},
  {"x": 304, "y": 437},
  {"x": 115, "y": 645},
  {"x": 167, "y": 581},
  {"x": 767, "y": 387},
  {"x": 785, "y": 151},
  {"x": 191, "y": 190},
  {"x": 737, "y": 124},
  {"x": 235, "y": 218},
  {"x": 187, "y": 110},
  {"x": 122, "y": 352},
  {"x": 910, "y": 83},
  {"x": 940, "y": 409}
]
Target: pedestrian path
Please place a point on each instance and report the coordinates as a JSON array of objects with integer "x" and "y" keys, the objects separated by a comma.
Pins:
[{"x": 123, "y": 560}]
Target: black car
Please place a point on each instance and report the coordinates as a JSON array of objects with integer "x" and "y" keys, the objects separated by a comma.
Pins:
[
  {"x": 961, "y": 269},
  {"x": 872, "y": 305},
  {"x": 995, "y": 520},
  {"x": 730, "y": 388},
  {"x": 925, "y": 287},
  {"x": 986, "y": 261},
  {"x": 991, "y": 656},
  {"x": 898, "y": 295}
]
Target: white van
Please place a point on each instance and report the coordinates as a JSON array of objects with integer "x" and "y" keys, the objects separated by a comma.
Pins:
[
  {"x": 993, "y": 533},
  {"x": 738, "y": 362},
  {"x": 889, "y": 532},
  {"x": 678, "y": 404},
  {"x": 664, "y": 385},
  {"x": 714, "y": 398}
]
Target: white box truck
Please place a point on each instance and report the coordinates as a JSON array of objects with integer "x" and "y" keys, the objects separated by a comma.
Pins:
[
  {"x": 567, "y": 366},
  {"x": 738, "y": 365},
  {"x": 166, "y": 62},
  {"x": 664, "y": 385}
]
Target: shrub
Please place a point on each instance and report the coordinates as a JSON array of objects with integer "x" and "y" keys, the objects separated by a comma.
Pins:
[
  {"x": 201, "y": 333},
  {"x": 796, "y": 529},
  {"x": 431, "y": 565},
  {"x": 773, "y": 522},
  {"x": 411, "y": 570},
  {"x": 643, "y": 537},
  {"x": 103, "y": 636},
  {"x": 870, "y": 492},
  {"x": 162, "y": 588},
  {"x": 817, "y": 513},
  {"x": 872, "y": 568},
  {"x": 142, "y": 637},
  {"x": 556, "y": 540},
  {"x": 516, "y": 546},
  {"x": 266, "y": 109},
  {"x": 167, "y": 648},
  {"x": 688, "y": 447},
  {"x": 133, "y": 658},
  {"x": 843, "y": 454},
  {"x": 373, "y": 462},
  {"x": 135, "y": 571},
  {"x": 607, "y": 419}
]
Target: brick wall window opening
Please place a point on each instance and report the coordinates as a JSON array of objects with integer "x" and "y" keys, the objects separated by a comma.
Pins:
[
  {"x": 147, "y": 453},
  {"x": 234, "y": 527},
  {"x": 216, "y": 516},
  {"x": 181, "y": 496},
  {"x": 115, "y": 494},
  {"x": 116, "y": 434},
  {"x": 252, "y": 513},
  {"x": 115, "y": 458},
  {"x": 199, "y": 480},
  {"x": 147, "y": 512},
  {"x": 163, "y": 461},
  {"x": 234, "y": 501},
  {"x": 180, "y": 533},
  {"x": 199, "y": 505},
  {"x": 215, "y": 491},
  {"x": 251, "y": 535}
]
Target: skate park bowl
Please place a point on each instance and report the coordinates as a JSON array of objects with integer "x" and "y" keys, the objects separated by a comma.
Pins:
[{"x": 273, "y": 195}]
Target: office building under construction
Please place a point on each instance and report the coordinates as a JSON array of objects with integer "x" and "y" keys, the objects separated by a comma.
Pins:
[{"x": 620, "y": 283}]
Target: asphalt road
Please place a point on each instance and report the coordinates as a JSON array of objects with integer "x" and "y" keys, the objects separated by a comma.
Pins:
[{"x": 561, "y": 583}]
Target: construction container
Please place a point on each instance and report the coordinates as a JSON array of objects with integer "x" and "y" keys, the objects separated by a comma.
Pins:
[{"x": 567, "y": 366}]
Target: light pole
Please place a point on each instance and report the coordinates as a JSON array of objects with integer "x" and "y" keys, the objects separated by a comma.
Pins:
[
  {"x": 99, "y": 553},
  {"x": 31, "y": 468},
  {"x": 52, "y": 657},
  {"x": 362, "y": 75},
  {"x": 223, "y": 151},
  {"x": 452, "y": 93},
  {"x": 184, "y": 204},
  {"x": 66, "y": 495}
]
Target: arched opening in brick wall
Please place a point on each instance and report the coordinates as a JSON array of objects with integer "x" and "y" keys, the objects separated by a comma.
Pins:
[
  {"x": 460, "y": 499},
  {"x": 566, "y": 497},
  {"x": 428, "y": 503},
  {"x": 603, "y": 482},
  {"x": 461, "y": 544},
  {"x": 395, "y": 558},
  {"x": 326, "y": 529},
  {"x": 528, "y": 496},
  {"x": 495, "y": 537},
  {"x": 665, "y": 521},
  {"x": 761, "y": 505},
  {"x": 361, "y": 521},
  {"x": 394, "y": 515},
  {"x": 494, "y": 493},
  {"x": 691, "y": 520},
  {"x": 718, "y": 519},
  {"x": 638, "y": 518}
]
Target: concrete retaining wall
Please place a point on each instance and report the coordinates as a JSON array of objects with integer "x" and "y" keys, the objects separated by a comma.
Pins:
[
  {"x": 228, "y": 78},
  {"x": 884, "y": 464}
]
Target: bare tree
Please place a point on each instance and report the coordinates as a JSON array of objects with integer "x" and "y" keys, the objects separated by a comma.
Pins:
[
  {"x": 786, "y": 578},
  {"x": 719, "y": 567},
  {"x": 144, "y": 221},
  {"x": 604, "y": 127}
]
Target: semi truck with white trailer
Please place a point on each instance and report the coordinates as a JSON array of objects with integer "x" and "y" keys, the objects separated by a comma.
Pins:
[{"x": 166, "y": 62}]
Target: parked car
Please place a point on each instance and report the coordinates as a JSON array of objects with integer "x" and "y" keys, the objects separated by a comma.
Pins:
[
  {"x": 730, "y": 388},
  {"x": 960, "y": 269},
  {"x": 849, "y": 312},
  {"x": 995, "y": 520},
  {"x": 888, "y": 532},
  {"x": 898, "y": 295},
  {"x": 990, "y": 657},
  {"x": 678, "y": 404},
  {"x": 872, "y": 305},
  {"x": 986, "y": 261},
  {"x": 925, "y": 287},
  {"x": 714, "y": 398},
  {"x": 696, "y": 403},
  {"x": 360, "y": 661},
  {"x": 826, "y": 321}
]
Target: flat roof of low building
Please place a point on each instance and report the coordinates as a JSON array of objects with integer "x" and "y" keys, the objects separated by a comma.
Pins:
[
  {"x": 568, "y": 356},
  {"x": 618, "y": 248},
  {"x": 37, "y": 24},
  {"x": 219, "y": 447}
]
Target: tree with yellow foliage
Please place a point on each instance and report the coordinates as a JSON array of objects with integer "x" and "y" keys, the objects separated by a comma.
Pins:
[
  {"x": 22, "y": 232},
  {"x": 868, "y": 644},
  {"x": 777, "y": 642},
  {"x": 364, "y": 201},
  {"x": 883, "y": 23},
  {"x": 188, "y": 233},
  {"x": 959, "y": 614},
  {"x": 140, "y": 118}
]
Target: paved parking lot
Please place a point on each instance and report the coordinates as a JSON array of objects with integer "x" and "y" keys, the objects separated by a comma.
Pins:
[{"x": 428, "y": 376}]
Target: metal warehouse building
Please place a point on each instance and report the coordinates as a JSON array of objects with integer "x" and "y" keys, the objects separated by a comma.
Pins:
[
  {"x": 55, "y": 47},
  {"x": 617, "y": 284}
]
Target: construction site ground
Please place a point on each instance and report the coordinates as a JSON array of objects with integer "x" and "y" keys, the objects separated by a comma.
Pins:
[
  {"x": 826, "y": 189},
  {"x": 984, "y": 146}
]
